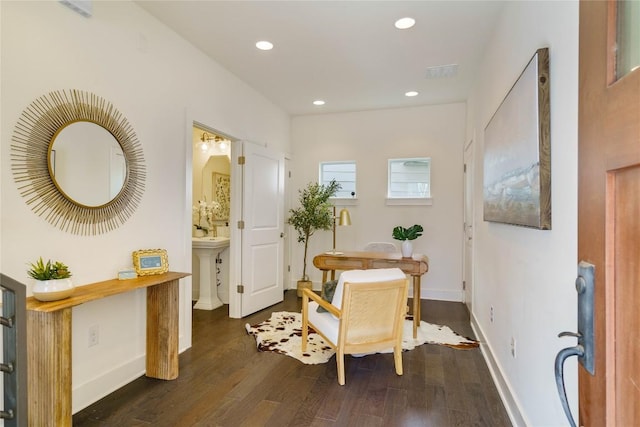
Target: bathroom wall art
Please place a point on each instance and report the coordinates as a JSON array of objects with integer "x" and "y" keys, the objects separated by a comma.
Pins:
[{"x": 222, "y": 195}]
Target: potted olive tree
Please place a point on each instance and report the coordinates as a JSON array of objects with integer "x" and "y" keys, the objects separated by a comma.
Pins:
[
  {"x": 406, "y": 235},
  {"x": 314, "y": 213}
]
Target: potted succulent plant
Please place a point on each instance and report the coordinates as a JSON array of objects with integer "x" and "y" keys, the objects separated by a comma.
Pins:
[
  {"x": 52, "y": 280},
  {"x": 406, "y": 235},
  {"x": 313, "y": 214}
]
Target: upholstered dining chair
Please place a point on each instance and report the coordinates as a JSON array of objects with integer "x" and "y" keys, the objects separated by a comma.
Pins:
[
  {"x": 380, "y": 247},
  {"x": 366, "y": 314}
]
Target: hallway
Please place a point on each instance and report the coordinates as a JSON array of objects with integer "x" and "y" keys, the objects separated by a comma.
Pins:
[{"x": 225, "y": 381}]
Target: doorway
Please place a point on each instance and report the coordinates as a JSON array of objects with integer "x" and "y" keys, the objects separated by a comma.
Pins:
[
  {"x": 467, "y": 273},
  {"x": 211, "y": 201}
]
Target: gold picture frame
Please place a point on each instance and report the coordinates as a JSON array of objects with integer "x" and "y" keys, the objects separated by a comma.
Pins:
[{"x": 150, "y": 261}]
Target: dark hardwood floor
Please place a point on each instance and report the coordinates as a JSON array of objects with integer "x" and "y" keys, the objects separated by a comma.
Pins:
[{"x": 225, "y": 381}]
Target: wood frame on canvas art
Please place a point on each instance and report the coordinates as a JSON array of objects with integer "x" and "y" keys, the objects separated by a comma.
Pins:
[{"x": 517, "y": 151}]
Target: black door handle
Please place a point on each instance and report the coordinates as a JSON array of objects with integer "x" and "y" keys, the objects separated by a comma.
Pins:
[
  {"x": 563, "y": 355},
  {"x": 585, "y": 349}
]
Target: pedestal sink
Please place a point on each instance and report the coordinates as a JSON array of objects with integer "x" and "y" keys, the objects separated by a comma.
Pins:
[{"x": 207, "y": 250}]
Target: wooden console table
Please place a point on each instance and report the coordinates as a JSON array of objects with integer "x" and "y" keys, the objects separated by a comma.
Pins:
[
  {"x": 49, "y": 341},
  {"x": 415, "y": 266}
]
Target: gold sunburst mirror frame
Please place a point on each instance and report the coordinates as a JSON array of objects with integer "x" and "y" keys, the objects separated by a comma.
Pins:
[{"x": 31, "y": 156}]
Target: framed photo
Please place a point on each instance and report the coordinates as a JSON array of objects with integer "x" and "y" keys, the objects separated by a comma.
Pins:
[
  {"x": 150, "y": 261},
  {"x": 517, "y": 151}
]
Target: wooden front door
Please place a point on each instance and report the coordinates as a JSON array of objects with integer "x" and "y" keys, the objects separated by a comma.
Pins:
[{"x": 609, "y": 207}]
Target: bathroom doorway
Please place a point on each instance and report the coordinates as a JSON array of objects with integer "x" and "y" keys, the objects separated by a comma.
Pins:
[
  {"x": 211, "y": 201},
  {"x": 251, "y": 267}
]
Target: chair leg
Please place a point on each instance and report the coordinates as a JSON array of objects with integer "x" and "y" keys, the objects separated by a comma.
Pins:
[
  {"x": 305, "y": 315},
  {"x": 397, "y": 357},
  {"x": 304, "y": 336},
  {"x": 340, "y": 362}
]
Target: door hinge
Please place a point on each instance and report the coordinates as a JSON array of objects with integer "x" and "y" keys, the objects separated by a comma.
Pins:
[
  {"x": 241, "y": 289},
  {"x": 464, "y": 285},
  {"x": 465, "y": 168},
  {"x": 241, "y": 225},
  {"x": 289, "y": 174},
  {"x": 241, "y": 160},
  {"x": 288, "y": 268}
]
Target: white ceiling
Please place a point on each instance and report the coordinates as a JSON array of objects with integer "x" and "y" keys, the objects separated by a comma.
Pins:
[{"x": 347, "y": 53}]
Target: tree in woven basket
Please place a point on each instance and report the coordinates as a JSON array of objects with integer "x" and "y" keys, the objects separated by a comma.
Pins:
[{"x": 314, "y": 213}]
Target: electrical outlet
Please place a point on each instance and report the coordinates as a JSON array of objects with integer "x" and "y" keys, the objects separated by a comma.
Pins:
[
  {"x": 513, "y": 347},
  {"x": 94, "y": 335},
  {"x": 491, "y": 314}
]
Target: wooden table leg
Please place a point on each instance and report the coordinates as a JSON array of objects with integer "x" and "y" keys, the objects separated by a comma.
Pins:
[
  {"x": 416, "y": 305},
  {"x": 162, "y": 331},
  {"x": 49, "y": 367},
  {"x": 324, "y": 277}
]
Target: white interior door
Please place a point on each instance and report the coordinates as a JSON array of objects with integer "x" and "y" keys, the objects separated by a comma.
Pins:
[
  {"x": 262, "y": 235},
  {"x": 467, "y": 275}
]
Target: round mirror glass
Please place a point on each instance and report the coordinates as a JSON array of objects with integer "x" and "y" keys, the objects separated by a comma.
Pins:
[{"x": 87, "y": 163}]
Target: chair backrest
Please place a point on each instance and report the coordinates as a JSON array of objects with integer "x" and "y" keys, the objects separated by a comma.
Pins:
[
  {"x": 362, "y": 276},
  {"x": 372, "y": 315},
  {"x": 380, "y": 247}
]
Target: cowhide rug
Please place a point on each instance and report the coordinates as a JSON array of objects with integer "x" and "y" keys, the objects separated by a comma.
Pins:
[{"x": 282, "y": 333}]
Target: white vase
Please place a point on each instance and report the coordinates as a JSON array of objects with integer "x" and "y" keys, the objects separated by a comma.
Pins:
[
  {"x": 198, "y": 232},
  {"x": 52, "y": 290},
  {"x": 407, "y": 248}
]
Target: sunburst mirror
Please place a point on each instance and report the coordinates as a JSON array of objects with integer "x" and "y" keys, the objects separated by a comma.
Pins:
[{"x": 78, "y": 162}]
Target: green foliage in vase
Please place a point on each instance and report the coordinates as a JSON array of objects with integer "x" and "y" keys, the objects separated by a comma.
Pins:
[
  {"x": 313, "y": 214},
  {"x": 49, "y": 271},
  {"x": 411, "y": 233}
]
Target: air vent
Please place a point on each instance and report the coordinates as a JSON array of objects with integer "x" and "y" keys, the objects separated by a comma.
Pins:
[{"x": 442, "y": 71}]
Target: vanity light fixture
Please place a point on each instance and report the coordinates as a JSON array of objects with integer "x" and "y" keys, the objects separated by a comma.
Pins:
[
  {"x": 264, "y": 45},
  {"x": 405, "y": 23},
  {"x": 207, "y": 141},
  {"x": 411, "y": 93},
  {"x": 318, "y": 102}
]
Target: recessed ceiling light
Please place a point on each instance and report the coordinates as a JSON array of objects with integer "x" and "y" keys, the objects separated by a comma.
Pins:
[
  {"x": 411, "y": 93},
  {"x": 264, "y": 45},
  {"x": 318, "y": 102},
  {"x": 405, "y": 23}
]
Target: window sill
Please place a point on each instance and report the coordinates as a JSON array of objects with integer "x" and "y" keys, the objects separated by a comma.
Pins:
[
  {"x": 337, "y": 201},
  {"x": 410, "y": 202}
]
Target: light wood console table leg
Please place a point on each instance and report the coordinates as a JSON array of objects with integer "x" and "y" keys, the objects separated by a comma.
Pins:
[
  {"x": 49, "y": 367},
  {"x": 416, "y": 305},
  {"x": 162, "y": 331}
]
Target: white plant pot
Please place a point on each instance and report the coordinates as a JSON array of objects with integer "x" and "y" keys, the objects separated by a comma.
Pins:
[
  {"x": 407, "y": 249},
  {"x": 199, "y": 232},
  {"x": 52, "y": 290}
]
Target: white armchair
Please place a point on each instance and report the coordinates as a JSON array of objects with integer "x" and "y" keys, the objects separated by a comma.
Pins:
[{"x": 365, "y": 315}]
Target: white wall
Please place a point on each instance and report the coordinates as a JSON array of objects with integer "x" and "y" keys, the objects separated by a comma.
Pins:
[
  {"x": 370, "y": 138},
  {"x": 528, "y": 275},
  {"x": 161, "y": 85}
]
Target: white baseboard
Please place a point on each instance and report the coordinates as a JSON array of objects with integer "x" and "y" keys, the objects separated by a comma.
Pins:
[
  {"x": 95, "y": 389},
  {"x": 440, "y": 294},
  {"x": 499, "y": 380}
]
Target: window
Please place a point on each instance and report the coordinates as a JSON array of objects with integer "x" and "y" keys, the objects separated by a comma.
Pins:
[
  {"x": 409, "y": 179},
  {"x": 344, "y": 173}
]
